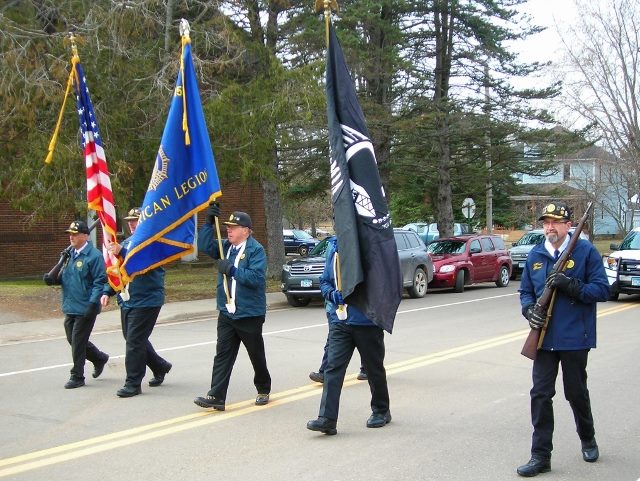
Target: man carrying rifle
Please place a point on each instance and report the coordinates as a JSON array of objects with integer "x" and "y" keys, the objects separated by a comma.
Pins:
[
  {"x": 82, "y": 277},
  {"x": 570, "y": 332}
]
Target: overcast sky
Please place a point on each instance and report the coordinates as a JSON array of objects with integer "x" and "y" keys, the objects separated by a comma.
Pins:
[{"x": 552, "y": 14}]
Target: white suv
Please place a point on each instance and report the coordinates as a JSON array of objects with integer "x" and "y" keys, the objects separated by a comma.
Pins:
[{"x": 623, "y": 265}]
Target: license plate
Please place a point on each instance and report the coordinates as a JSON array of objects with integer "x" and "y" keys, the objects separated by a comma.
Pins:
[
  {"x": 635, "y": 281},
  {"x": 521, "y": 265},
  {"x": 307, "y": 282}
]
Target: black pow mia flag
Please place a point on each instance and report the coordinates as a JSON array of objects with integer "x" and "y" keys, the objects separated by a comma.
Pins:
[{"x": 369, "y": 263}]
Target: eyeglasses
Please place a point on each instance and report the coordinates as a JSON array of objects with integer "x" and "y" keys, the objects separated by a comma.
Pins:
[{"x": 554, "y": 222}]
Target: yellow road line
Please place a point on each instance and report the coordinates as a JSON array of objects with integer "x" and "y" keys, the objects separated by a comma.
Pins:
[{"x": 98, "y": 444}]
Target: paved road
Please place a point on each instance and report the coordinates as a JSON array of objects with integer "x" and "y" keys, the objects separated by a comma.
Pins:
[{"x": 459, "y": 399}]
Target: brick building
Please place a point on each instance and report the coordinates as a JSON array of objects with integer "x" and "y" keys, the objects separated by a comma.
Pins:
[{"x": 30, "y": 249}]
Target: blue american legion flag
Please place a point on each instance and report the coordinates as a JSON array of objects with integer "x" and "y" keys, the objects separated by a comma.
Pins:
[
  {"x": 369, "y": 263},
  {"x": 183, "y": 182}
]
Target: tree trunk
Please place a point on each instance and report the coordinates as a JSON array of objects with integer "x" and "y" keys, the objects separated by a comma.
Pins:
[
  {"x": 443, "y": 20},
  {"x": 273, "y": 217},
  {"x": 167, "y": 24}
]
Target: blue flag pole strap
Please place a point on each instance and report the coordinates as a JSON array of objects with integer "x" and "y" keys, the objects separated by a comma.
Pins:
[{"x": 159, "y": 237}]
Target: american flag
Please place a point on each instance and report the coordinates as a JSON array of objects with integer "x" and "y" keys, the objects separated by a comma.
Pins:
[{"x": 99, "y": 194}]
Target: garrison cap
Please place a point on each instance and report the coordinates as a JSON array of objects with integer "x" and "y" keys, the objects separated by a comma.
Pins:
[
  {"x": 133, "y": 214},
  {"x": 78, "y": 227},
  {"x": 557, "y": 211},
  {"x": 239, "y": 218}
]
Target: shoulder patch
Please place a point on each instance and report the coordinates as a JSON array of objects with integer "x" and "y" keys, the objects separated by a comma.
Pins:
[{"x": 537, "y": 265}]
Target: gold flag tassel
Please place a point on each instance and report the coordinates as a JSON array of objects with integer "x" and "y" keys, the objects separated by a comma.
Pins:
[
  {"x": 54, "y": 139},
  {"x": 184, "y": 33}
]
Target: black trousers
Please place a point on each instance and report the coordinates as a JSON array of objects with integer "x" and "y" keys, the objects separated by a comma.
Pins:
[
  {"x": 78, "y": 329},
  {"x": 325, "y": 357},
  {"x": 231, "y": 332},
  {"x": 137, "y": 325},
  {"x": 343, "y": 339},
  {"x": 574, "y": 376}
]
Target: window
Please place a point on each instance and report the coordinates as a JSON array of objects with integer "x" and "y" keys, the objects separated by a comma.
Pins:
[
  {"x": 401, "y": 242},
  {"x": 487, "y": 245},
  {"x": 498, "y": 242},
  {"x": 475, "y": 245},
  {"x": 413, "y": 239}
]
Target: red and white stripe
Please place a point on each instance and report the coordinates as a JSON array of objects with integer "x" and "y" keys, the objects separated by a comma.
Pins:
[{"x": 100, "y": 199}]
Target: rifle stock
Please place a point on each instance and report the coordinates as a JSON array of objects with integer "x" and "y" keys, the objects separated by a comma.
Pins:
[{"x": 534, "y": 340}]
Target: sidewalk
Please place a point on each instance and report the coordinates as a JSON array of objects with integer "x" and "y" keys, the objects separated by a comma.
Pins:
[{"x": 109, "y": 321}]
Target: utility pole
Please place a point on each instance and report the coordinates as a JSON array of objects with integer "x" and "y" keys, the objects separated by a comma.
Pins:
[{"x": 489, "y": 186}]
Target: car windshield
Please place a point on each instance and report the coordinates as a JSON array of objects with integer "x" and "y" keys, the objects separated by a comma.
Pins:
[
  {"x": 320, "y": 250},
  {"x": 300, "y": 234},
  {"x": 631, "y": 241},
  {"x": 531, "y": 238},
  {"x": 446, "y": 247}
]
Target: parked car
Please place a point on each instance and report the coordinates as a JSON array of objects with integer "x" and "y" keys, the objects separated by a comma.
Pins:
[
  {"x": 429, "y": 232},
  {"x": 298, "y": 242},
  {"x": 469, "y": 259},
  {"x": 623, "y": 265},
  {"x": 301, "y": 277},
  {"x": 521, "y": 248}
]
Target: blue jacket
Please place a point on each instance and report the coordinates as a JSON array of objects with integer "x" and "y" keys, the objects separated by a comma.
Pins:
[
  {"x": 250, "y": 276},
  {"x": 145, "y": 290},
  {"x": 573, "y": 321},
  {"x": 82, "y": 281},
  {"x": 328, "y": 285}
]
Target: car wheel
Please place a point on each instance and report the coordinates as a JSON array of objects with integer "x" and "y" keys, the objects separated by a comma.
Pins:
[
  {"x": 514, "y": 275},
  {"x": 503, "y": 277},
  {"x": 296, "y": 301},
  {"x": 303, "y": 250},
  {"x": 459, "y": 287},
  {"x": 419, "y": 287}
]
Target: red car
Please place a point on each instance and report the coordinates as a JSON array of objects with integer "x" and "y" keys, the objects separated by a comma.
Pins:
[{"x": 469, "y": 259}]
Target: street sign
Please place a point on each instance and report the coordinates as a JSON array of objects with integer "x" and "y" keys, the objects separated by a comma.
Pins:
[{"x": 468, "y": 208}]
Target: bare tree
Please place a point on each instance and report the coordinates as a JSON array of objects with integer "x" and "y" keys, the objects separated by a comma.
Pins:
[{"x": 601, "y": 73}]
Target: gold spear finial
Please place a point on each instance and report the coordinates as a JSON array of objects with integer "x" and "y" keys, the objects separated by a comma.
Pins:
[{"x": 327, "y": 6}]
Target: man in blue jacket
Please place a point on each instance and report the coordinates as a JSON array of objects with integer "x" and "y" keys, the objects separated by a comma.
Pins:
[
  {"x": 82, "y": 279},
  {"x": 348, "y": 331},
  {"x": 140, "y": 305},
  {"x": 242, "y": 305},
  {"x": 570, "y": 334}
]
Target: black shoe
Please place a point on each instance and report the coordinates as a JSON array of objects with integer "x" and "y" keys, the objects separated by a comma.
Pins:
[
  {"x": 129, "y": 391},
  {"x": 262, "y": 399},
  {"x": 317, "y": 377},
  {"x": 362, "y": 376},
  {"x": 323, "y": 425},
  {"x": 98, "y": 367},
  {"x": 74, "y": 383},
  {"x": 535, "y": 466},
  {"x": 377, "y": 420},
  {"x": 158, "y": 378},
  {"x": 590, "y": 452},
  {"x": 210, "y": 402}
]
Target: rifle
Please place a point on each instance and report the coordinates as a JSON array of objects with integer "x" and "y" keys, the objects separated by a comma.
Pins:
[
  {"x": 53, "y": 276},
  {"x": 545, "y": 301}
]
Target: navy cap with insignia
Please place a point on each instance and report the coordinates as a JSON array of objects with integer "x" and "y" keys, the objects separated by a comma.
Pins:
[
  {"x": 78, "y": 227},
  {"x": 239, "y": 218},
  {"x": 557, "y": 211}
]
